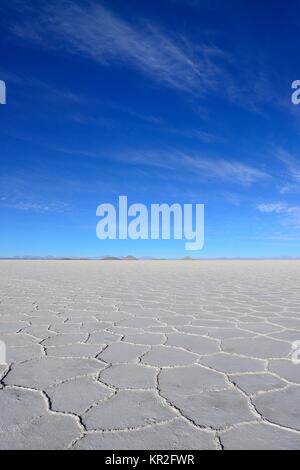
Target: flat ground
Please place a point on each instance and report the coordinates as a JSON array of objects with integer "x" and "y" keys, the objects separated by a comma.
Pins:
[{"x": 149, "y": 354}]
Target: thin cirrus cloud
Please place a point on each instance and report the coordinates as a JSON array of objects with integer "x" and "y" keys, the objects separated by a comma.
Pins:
[
  {"x": 32, "y": 206},
  {"x": 277, "y": 207},
  {"x": 292, "y": 213},
  {"x": 291, "y": 164},
  {"x": 217, "y": 169},
  {"x": 186, "y": 64},
  {"x": 94, "y": 31},
  {"x": 290, "y": 161},
  {"x": 227, "y": 170}
]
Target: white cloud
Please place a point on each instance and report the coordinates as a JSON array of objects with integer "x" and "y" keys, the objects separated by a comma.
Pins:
[
  {"x": 30, "y": 206},
  {"x": 226, "y": 170},
  {"x": 91, "y": 29},
  {"x": 284, "y": 238},
  {"x": 292, "y": 212},
  {"x": 88, "y": 28},
  {"x": 202, "y": 167},
  {"x": 289, "y": 188},
  {"x": 291, "y": 162},
  {"x": 277, "y": 207}
]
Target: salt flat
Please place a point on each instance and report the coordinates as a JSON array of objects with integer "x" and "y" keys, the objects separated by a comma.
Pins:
[{"x": 149, "y": 355}]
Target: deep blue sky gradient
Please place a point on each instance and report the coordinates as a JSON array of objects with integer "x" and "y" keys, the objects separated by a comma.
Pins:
[{"x": 163, "y": 101}]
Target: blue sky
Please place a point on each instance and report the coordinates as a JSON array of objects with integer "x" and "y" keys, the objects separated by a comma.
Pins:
[{"x": 162, "y": 101}]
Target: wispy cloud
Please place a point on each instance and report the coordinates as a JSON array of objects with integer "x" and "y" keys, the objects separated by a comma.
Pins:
[
  {"x": 30, "y": 206},
  {"x": 195, "y": 66},
  {"x": 91, "y": 29},
  {"x": 292, "y": 213},
  {"x": 291, "y": 162},
  {"x": 227, "y": 170},
  {"x": 284, "y": 238},
  {"x": 195, "y": 134},
  {"x": 290, "y": 177},
  {"x": 277, "y": 207},
  {"x": 202, "y": 167},
  {"x": 289, "y": 188}
]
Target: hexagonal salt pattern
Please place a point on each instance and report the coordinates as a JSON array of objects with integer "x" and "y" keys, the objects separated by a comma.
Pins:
[{"x": 149, "y": 355}]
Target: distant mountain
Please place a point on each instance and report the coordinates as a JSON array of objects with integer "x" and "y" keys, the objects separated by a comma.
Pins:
[
  {"x": 118, "y": 258},
  {"x": 145, "y": 258}
]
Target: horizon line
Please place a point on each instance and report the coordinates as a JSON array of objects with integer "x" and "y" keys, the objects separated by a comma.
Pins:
[{"x": 146, "y": 258}]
